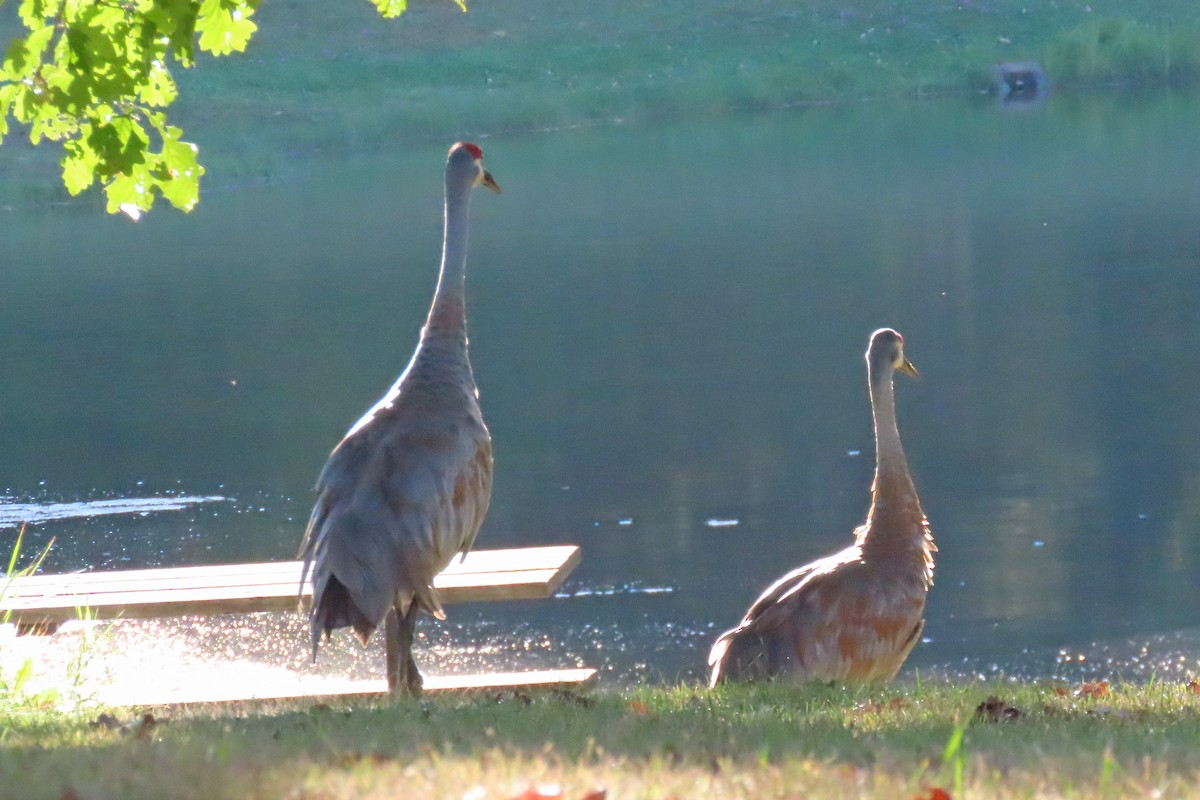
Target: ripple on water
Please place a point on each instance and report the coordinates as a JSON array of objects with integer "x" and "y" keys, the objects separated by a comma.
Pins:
[{"x": 13, "y": 515}]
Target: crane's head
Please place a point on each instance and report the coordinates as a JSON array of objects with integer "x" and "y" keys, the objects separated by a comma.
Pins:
[
  {"x": 469, "y": 157},
  {"x": 887, "y": 349}
]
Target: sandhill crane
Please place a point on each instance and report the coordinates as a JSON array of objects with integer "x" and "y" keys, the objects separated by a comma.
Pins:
[
  {"x": 851, "y": 617},
  {"x": 408, "y": 486}
]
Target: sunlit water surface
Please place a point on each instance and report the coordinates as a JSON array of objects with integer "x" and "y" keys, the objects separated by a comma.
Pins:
[{"x": 667, "y": 325}]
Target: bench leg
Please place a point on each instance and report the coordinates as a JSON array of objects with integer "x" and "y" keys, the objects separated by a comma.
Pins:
[{"x": 402, "y": 674}]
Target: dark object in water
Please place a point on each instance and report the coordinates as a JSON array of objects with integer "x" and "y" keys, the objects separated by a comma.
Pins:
[{"x": 1021, "y": 83}]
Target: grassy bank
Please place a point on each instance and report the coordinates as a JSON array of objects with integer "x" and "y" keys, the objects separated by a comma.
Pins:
[
  {"x": 1040, "y": 741},
  {"x": 325, "y": 76},
  {"x": 537, "y": 64}
]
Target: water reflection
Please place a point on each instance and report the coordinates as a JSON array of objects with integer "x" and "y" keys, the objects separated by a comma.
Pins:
[{"x": 667, "y": 327}]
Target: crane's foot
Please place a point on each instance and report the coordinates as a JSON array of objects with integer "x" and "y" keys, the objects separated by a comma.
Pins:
[{"x": 413, "y": 680}]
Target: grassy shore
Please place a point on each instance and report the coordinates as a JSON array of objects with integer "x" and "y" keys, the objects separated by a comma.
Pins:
[
  {"x": 1092, "y": 741},
  {"x": 336, "y": 77},
  {"x": 540, "y": 64}
]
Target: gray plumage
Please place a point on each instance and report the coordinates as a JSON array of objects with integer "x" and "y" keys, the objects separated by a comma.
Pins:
[{"x": 409, "y": 485}]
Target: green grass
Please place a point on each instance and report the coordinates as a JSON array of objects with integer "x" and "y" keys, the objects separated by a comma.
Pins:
[
  {"x": 536, "y": 64},
  {"x": 16, "y": 700},
  {"x": 766, "y": 741}
]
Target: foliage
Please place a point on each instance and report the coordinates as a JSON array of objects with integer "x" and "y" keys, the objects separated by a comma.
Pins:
[{"x": 96, "y": 75}]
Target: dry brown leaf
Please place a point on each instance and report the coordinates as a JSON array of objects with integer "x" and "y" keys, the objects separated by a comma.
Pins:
[
  {"x": 638, "y": 707},
  {"x": 1193, "y": 685},
  {"x": 1093, "y": 690},
  {"x": 595, "y": 794}
]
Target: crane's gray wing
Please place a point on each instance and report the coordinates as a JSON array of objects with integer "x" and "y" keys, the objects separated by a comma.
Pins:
[{"x": 397, "y": 499}]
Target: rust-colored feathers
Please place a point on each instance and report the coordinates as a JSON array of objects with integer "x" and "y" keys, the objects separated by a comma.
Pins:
[{"x": 852, "y": 617}]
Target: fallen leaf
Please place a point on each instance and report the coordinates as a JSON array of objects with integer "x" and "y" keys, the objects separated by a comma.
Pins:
[
  {"x": 1093, "y": 690},
  {"x": 548, "y": 792},
  {"x": 1193, "y": 685},
  {"x": 69, "y": 794},
  {"x": 595, "y": 794},
  {"x": 638, "y": 707},
  {"x": 934, "y": 793},
  {"x": 1061, "y": 691},
  {"x": 996, "y": 710}
]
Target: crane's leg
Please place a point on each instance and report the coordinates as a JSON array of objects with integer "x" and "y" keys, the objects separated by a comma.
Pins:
[
  {"x": 391, "y": 633},
  {"x": 402, "y": 674}
]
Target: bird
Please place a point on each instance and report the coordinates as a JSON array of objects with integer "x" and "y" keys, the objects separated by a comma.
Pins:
[
  {"x": 408, "y": 487},
  {"x": 854, "y": 616}
]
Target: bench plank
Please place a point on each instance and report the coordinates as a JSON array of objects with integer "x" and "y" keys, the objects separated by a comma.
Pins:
[{"x": 502, "y": 574}]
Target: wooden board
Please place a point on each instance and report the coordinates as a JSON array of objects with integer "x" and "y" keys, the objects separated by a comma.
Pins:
[
  {"x": 151, "y": 696},
  {"x": 44, "y": 600}
]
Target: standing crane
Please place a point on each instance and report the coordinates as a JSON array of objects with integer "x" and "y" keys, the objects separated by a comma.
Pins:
[
  {"x": 408, "y": 486},
  {"x": 854, "y": 616}
]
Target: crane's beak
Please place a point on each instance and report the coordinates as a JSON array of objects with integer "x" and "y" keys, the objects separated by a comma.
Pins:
[
  {"x": 490, "y": 182},
  {"x": 907, "y": 368}
]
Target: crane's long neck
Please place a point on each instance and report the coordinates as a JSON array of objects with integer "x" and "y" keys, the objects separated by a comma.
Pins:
[
  {"x": 891, "y": 467},
  {"x": 895, "y": 521},
  {"x": 447, "y": 321}
]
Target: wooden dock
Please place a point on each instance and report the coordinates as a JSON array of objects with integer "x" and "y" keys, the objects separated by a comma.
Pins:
[
  {"x": 39, "y": 603},
  {"x": 43, "y": 601}
]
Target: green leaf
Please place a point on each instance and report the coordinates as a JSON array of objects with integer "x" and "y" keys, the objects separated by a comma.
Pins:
[
  {"x": 175, "y": 20},
  {"x": 119, "y": 143},
  {"x": 181, "y": 186},
  {"x": 7, "y": 93},
  {"x": 391, "y": 8},
  {"x": 33, "y": 12},
  {"x": 24, "y": 56},
  {"x": 222, "y": 29},
  {"x": 179, "y": 173},
  {"x": 79, "y": 166},
  {"x": 159, "y": 87},
  {"x": 130, "y": 194}
]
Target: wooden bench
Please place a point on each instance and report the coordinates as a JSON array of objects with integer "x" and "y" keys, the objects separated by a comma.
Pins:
[{"x": 39, "y": 603}]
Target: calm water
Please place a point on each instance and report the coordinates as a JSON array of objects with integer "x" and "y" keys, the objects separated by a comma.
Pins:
[{"x": 667, "y": 327}]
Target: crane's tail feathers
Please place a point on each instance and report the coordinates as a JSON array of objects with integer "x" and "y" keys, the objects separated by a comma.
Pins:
[
  {"x": 716, "y": 657},
  {"x": 335, "y": 609}
]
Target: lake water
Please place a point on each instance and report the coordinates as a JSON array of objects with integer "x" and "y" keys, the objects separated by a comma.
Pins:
[{"x": 667, "y": 326}]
